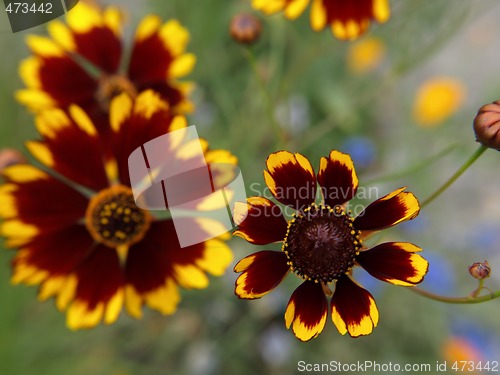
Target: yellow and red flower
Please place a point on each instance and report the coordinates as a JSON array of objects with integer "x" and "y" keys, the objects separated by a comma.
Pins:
[
  {"x": 84, "y": 62},
  {"x": 322, "y": 243},
  {"x": 78, "y": 231},
  {"x": 348, "y": 19}
]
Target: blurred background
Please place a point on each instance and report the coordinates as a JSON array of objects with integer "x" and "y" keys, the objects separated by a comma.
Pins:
[{"x": 400, "y": 100}]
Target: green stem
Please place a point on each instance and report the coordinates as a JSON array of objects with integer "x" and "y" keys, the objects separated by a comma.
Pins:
[
  {"x": 455, "y": 176},
  {"x": 267, "y": 98},
  {"x": 457, "y": 300},
  {"x": 480, "y": 286}
]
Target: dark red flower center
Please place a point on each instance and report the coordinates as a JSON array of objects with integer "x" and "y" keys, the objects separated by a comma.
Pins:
[
  {"x": 321, "y": 243},
  {"x": 114, "y": 219},
  {"x": 111, "y": 86}
]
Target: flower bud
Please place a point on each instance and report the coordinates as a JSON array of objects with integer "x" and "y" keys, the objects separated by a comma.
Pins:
[
  {"x": 487, "y": 125},
  {"x": 245, "y": 28},
  {"x": 480, "y": 270},
  {"x": 10, "y": 156}
]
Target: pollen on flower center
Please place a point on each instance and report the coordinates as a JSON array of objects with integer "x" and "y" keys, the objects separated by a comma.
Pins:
[
  {"x": 321, "y": 243},
  {"x": 113, "y": 218},
  {"x": 111, "y": 86}
]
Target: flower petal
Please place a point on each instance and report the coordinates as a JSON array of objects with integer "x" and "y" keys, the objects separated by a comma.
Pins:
[
  {"x": 49, "y": 75},
  {"x": 264, "y": 222},
  {"x": 174, "y": 93},
  {"x": 347, "y": 19},
  {"x": 94, "y": 38},
  {"x": 292, "y": 8},
  {"x": 136, "y": 123},
  {"x": 157, "y": 264},
  {"x": 353, "y": 308},
  {"x": 337, "y": 178},
  {"x": 57, "y": 253},
  {"x": 158, "y": 53},
  {"x": 395, "y": 262},
  {"x": 71, "y": 146},
  {"x": 262, "y": 272},
  {"x": 290, "y": 177},
  {"x": 30, "y": 198},
  {"x": 387, "y": 211},
  {"x": 306, "y": 311},
  {"x": 99, "y": 293}
]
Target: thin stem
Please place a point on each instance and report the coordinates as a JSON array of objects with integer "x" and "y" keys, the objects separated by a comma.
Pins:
[
  {"x": 457, "y": 300},
  {"x": 267, "y": 98},
  {"x": 456, "y": 175},
  {"x": 480, "y": 286}
]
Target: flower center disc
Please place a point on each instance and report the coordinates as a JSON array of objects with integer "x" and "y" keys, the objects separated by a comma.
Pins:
[
  {"x": 111, "y": 86},
  {"x": 113, "y": 218},
  {"x": 321, "y": 243}
]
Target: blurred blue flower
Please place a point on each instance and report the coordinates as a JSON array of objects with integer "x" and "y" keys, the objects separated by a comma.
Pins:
[
  {"x": 484, "y": 238},
  {"x": 368, "y": 282},
  {"x": 415, "y": 226},
  {"x": 361, "y": 149},
  {"x": 441, "y": 277}
]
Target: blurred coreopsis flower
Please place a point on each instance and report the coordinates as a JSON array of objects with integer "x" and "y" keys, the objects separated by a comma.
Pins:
[
  {"x": 322, "y": 243},
  {"x": 437, "y": 99},
  {"x": 347, "y": 19},
  {"x": 77, "y": 228},
  {"x": 84, "y": 62}
]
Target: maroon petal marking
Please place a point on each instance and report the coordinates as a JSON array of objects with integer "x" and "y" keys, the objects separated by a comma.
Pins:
[
  {"x": 387, "y": 211},
  {"x": 66, "y": 81},
  {"x": 261, "y": 273},
  {"x": 100, "y": 46},
  {"x": 394, "y": 262},
  {"x": 337, "y": 178},
  {"x": 77, "y": 155},
  {"x": 59, "y": 252},
  {"x": 290, "y": 178},
  {"x": 48, "y": 204},
  {"x": 263, "y": 224},
  {"x": 150, "y": 61}
]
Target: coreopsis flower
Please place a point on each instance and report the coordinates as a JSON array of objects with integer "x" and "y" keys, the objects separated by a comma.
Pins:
[
  {"x": 321, "y": 244},
  {"x": 347, "y": 19},
  {"x": 77, "y": 229},
  {"x": 85, "y": 62}
]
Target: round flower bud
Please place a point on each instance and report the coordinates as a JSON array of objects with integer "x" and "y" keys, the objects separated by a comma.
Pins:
[
  {"x": 245, "y": 28},
  {"x": 480, "y": 270},
  {"x": 487, "y": 125},
  {"x": 10, "y": 156}
]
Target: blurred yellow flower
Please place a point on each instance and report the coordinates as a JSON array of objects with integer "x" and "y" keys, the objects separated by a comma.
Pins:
[
  {"x": 365, "y": 55},
  {"x": 437, "y": 99}
]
